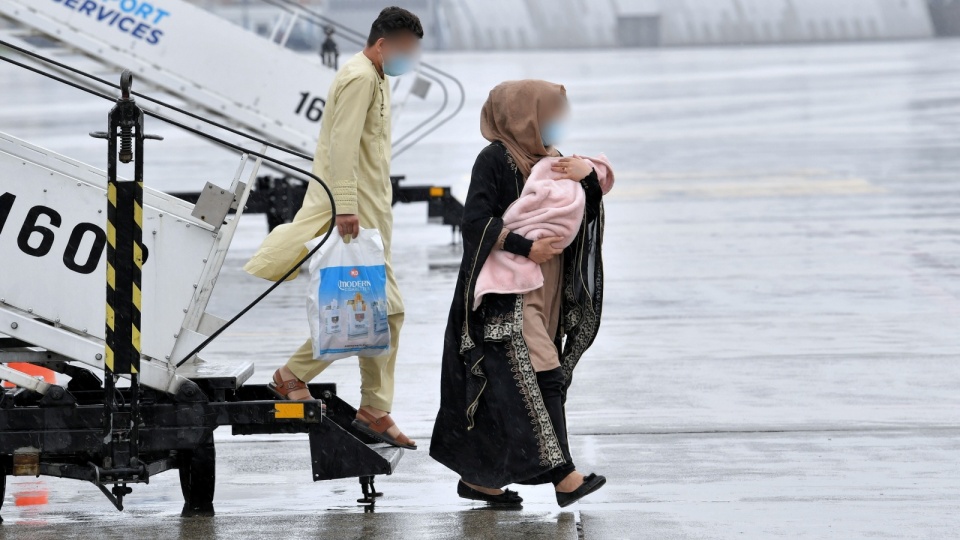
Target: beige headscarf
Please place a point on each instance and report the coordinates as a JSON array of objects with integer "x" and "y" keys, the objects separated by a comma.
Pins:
[{"x": 512, "y": 116}]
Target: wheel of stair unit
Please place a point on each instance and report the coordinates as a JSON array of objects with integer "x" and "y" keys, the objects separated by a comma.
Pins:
[
  {"x": 198, "y": 473},
  {"x": 3, "y": 485}
]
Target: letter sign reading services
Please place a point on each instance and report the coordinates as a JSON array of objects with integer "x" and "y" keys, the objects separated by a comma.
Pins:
[{"x": 141, "y": 20}]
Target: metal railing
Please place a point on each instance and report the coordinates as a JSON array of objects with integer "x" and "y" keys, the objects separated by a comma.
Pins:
[
  {"x": 104, "y": 85},
  {"x": 452, "y": 89}
]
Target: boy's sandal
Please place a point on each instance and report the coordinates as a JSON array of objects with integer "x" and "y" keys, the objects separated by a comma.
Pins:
[
  {"x": 282, "y": 388},
  {"x": 377, "y": 428}
]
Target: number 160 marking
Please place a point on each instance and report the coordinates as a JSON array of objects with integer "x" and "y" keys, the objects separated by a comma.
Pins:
[{"x": 31, "y": 226}]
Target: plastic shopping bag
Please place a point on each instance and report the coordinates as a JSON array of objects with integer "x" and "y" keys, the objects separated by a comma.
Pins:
[{"x": 347, "y": 301}]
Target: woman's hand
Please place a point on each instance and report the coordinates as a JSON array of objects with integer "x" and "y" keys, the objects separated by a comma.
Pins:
[
  {"x": 573, "y": 168},
  {"x": 543, "y": 250}
]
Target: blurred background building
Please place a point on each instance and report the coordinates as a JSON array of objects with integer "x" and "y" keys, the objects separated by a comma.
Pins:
[{"x": 551, "y": 24}]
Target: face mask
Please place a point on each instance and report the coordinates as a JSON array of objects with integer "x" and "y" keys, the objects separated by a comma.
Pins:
[
  {"x": 397, "y": 64},
  {"x": 553, "y": 132}
]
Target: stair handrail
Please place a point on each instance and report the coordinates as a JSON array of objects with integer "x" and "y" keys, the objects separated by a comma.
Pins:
[
  {"x": 220, "y": 141},
  {"x": 428, "y": 71}
]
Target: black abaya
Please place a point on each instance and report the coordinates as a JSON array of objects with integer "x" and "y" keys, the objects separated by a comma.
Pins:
[{"x": 494, "y": 426}]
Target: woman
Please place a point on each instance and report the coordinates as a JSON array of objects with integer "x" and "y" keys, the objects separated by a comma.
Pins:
[{"x": 508, "y": 363}]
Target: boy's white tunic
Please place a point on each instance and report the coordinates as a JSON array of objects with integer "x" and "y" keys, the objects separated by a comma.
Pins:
[{"x": 353, "y": 157}]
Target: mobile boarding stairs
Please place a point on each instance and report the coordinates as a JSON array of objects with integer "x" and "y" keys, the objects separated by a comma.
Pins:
[
  {"x": 244, "y": 80},
  {"x": 106, "y": 282}
]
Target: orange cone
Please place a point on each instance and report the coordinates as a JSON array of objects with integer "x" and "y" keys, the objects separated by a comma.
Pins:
[
  {"x": 39, "y": 494},
  {"x": 38, "y": 497}
]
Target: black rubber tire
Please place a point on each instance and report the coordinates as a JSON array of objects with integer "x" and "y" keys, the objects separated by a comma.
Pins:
[
  {"x": 198, "y": 474},
  {"x": 3, "y": 485}
]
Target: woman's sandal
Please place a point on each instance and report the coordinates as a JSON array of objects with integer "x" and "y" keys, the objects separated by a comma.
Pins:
[
  {"x": 282, "y": 388},
  {"x": 377, "y": 428},
  {"x": 507, "y": 498},
  {"x": 590, "y": 484}
]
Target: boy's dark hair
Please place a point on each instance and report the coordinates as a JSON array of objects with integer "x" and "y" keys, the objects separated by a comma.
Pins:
[{"x": 392, "y": 20}]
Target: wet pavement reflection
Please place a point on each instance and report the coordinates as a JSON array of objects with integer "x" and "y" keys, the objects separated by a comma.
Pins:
[{"x": 779, "y": 356}]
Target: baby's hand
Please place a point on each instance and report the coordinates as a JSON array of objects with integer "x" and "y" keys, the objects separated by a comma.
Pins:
[{"x": 573, "y": 168}]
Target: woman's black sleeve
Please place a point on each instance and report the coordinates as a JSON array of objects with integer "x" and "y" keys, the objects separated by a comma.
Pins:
[
  {"x": 482, "y": 215},
  {"x": 518, "y": 245},
  {"x": 591, "y": 186}
]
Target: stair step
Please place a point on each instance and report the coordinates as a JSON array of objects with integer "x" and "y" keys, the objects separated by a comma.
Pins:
[
  {"x": 391, "y": 454},
  {"x": 230, "y": 376}
]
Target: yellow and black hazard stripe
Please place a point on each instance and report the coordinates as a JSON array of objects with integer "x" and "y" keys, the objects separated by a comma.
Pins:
[{"x": 124, "y": 268}]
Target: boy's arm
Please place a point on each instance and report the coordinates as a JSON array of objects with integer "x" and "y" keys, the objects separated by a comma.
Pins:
[{"x": 353, "y": 98}]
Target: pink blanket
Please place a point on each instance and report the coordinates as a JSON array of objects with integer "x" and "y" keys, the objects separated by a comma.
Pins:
[{"x": 549, "y": 205}]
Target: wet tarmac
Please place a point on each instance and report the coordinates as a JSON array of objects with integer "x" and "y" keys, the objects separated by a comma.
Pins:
[{"x": 779, "y": 356}]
